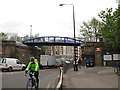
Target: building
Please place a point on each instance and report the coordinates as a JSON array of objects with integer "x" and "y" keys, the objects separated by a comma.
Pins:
[{"x": 59, "y": 50}]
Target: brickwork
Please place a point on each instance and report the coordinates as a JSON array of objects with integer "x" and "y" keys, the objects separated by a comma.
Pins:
[
  {"x": 89, "y": 52},
  {"x": 12, "y": 49}
]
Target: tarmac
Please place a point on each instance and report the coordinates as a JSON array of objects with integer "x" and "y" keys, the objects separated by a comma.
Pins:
[{"x": 91, "y": 78}]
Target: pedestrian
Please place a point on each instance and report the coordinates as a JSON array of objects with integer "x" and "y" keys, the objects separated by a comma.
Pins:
[
  {"x": 79, "y": 63},
  {"x": 75, "y": 65}
]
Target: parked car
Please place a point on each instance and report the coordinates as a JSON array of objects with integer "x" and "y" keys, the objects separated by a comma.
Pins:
[{"x": 11, "y": 64}]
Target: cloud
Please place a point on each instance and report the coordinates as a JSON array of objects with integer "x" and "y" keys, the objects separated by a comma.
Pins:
[{"x": 11, "y": 27}]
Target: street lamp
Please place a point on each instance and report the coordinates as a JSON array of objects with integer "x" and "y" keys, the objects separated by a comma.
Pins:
[{"x": 75, "y": 66}]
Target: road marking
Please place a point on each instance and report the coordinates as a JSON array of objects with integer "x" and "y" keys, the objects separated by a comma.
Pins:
[
  {"x": 48, "y": 85},
  {"x": 42, "y": 70},
  {"x": 12, "y": 72},
  {"x": 53, "y": 71}
]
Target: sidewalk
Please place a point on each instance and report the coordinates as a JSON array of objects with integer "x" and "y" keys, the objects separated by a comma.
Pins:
[{"x": 91, "y": 77}]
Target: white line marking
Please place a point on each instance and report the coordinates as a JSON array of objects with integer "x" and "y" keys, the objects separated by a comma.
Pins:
[{"x": 48, "y": 85}]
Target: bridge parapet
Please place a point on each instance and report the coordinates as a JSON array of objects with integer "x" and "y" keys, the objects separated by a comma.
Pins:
[{"x": 53, "y": 40}]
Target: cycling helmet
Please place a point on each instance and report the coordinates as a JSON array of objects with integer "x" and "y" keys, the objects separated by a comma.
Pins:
[{"x": 32, "y": 59}]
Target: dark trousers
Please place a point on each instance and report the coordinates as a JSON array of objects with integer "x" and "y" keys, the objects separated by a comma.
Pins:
[{"x": 36, "y": 74}]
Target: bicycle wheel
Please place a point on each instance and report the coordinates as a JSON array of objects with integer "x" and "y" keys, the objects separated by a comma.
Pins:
[
  {"x": 29, "y": 85},
  {"x": 35, "y": 83},
  {"x": 116, "y": 70},
  {"x": 119, "y": 71}
]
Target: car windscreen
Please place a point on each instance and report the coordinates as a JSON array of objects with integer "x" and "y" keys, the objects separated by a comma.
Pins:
[
  {"x": 3, "y": 60},
  {"x": 18, "y": 62},
  {"x": 0, "y": 60}
]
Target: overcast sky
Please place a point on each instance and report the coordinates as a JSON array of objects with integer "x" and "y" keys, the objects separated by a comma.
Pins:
[{"x": 47, "y": 17}]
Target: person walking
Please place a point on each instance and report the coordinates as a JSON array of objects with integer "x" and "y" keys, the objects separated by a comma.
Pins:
[{"x": 79, "y": 63}]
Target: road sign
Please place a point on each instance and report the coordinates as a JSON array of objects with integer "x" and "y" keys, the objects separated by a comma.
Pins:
[
  {"x": 116, "y": 56},
  {"x": 98, "y": 49},
  {"x": 107, "y": 57}
]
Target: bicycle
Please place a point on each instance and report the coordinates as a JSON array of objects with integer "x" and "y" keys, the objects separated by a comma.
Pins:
[
  {"x": 117, "y": 69},
  {"x": 31, "y": 81}
]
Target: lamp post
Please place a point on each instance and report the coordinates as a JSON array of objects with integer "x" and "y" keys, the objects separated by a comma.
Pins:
[{"x": 75, "y": 66}]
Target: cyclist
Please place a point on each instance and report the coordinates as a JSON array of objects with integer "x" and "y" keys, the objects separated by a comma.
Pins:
[{"x": 33, "y": 66}]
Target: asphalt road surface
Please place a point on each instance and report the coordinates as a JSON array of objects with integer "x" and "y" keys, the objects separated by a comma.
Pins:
[{"x": 16, "y": 79}]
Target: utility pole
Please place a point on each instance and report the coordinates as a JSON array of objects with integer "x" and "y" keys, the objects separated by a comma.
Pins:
[{"x": 118, "y": 35}]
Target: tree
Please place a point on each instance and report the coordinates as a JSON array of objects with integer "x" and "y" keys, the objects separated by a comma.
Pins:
[
  {"x": 13, "y": 38},
  {"x": 26, "y": 37},
  {"x": 42, "y": 49},
  {"x": 95, "y": 27},
  {"x": 109, "y": 29},
  {"x": 86, "y": 30},
  {"x": 3, "y": 36},
  {"x": 91, "y": 29}
]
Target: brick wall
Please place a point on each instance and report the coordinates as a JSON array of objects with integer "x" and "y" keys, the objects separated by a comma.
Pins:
[
  {"x": 12, "y": 49},
  {"x": 89, "y": 52}
]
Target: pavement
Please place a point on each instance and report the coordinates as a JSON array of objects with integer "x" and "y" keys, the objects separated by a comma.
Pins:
[{"x": 91, "y": 77}]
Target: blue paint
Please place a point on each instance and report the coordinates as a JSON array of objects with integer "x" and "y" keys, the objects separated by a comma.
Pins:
[{"x": 67, "y": 41}]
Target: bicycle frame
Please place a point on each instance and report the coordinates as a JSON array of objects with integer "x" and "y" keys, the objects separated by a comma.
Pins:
[{"x": 31, "y": 81}]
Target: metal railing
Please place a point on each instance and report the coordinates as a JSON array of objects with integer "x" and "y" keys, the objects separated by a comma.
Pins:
[
  {"x": 59, "y": 86},
  {"x": 63, "y": 70}
]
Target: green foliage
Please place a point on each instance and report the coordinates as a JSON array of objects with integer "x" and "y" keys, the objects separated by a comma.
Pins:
[
  {"x": 42, "y": 50},
  {"x": 3, "y": 36},
  {"x": 109, "y": 29},
  {"x": 26, "y": 37},
  {"x": 91, "y": 29}
]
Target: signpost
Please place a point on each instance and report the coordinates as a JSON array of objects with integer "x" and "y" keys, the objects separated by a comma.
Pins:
[
  {"x": 107, "y": 57},
  {"x": 98, "y": 49},
  {"x": 116, "y": 56}
]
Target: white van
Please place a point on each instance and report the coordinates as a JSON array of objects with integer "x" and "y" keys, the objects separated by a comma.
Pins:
[{"x": 11, "y": 64}]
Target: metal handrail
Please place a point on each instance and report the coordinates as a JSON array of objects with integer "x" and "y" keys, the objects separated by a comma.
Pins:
[{"x": 61, "y": 79}]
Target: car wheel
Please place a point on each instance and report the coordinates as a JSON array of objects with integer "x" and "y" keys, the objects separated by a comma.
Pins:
[
  {"x": 23, "y": 68},
  {"x": 2, "y": 70},
  {"x": 10, "y": 69}
]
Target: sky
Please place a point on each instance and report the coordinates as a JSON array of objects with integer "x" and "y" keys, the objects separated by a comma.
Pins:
[{"x": 47, "y": 17}]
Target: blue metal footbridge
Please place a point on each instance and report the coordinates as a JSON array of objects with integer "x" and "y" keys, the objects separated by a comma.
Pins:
[{"x": 53, "y": 40}]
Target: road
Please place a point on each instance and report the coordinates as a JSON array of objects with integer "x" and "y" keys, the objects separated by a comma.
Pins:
[{"x": 16, "y": 79}]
